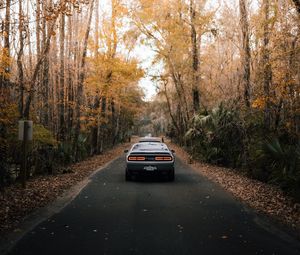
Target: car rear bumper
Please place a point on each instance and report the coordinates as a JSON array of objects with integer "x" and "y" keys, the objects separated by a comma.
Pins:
[{"x": 150, "y": 168}]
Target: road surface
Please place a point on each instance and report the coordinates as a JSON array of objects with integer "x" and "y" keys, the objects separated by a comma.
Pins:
[{"x": 189, "y": 216}]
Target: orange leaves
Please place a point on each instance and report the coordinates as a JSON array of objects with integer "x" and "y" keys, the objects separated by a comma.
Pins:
[
  {"x": 115, "y": 80},
  {"x": 8, "y": 112},
  {"x": 259, "y": 103},
  {"x": 5, "y": 62},
  {"x": 66, "y": 7},
  {"x": 113, "y": 77}
]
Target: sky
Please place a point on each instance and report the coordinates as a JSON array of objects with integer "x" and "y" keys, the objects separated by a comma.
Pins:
[{"x": 145, "y": 56}]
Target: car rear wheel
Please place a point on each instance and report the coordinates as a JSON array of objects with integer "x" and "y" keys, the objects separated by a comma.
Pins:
[
  {"x": 127, "y": 176},
  {"x": 171, "y": 175}
]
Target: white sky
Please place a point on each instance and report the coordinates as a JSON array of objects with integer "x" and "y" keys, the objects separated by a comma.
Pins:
[{"x": 145, "y": 56}]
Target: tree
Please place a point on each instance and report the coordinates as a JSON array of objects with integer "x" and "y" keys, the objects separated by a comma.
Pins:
[
  {"x": 22, "y": 32},
  {"x": 245, "y": 54},
  {"x": 267, "y": 71},
  {"x": 81, "y": 79},
  {"x": 5, "y": 72},
  {"x": 195, "y": 58},
  {"x": 62, "y": 79}
]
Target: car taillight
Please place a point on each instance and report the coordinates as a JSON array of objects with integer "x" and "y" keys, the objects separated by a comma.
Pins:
[
  {"x": 136, "y": 158},
  {"x": 163, "y": 158}
]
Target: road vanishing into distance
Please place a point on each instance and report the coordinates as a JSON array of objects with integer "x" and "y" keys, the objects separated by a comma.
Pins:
[{"x": 150, "y": 216}]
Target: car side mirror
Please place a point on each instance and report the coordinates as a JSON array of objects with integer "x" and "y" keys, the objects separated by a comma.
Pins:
[
  {"x": 126, "y": 151},
  {"x": 173, "y": 151}
]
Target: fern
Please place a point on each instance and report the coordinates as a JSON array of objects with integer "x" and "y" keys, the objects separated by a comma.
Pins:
[{"x": 284, "y": 161}]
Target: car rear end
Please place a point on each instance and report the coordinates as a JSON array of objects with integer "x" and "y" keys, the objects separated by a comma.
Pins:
[{"x": 150, "y": 163}]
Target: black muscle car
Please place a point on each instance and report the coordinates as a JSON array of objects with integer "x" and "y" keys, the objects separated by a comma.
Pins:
[{"x": 150, "y": 158}]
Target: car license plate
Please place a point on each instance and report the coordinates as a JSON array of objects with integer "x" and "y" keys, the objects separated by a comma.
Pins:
[{"x": 150, "y": 168}]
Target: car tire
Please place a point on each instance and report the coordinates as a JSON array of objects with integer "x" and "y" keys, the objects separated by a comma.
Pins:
[
  {"x": 127, "y": 176},
  {"x": 172, "y": 176}
]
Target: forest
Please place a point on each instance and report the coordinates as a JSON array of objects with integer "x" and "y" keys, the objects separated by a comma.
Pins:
[{"x": 226, "y": 73}]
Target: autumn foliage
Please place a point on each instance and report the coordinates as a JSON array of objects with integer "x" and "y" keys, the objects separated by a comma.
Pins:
[
  {"x": 228, "y": 81},
  {"x": 70, "y": 73},
  {"x": 246, "y": 71}
]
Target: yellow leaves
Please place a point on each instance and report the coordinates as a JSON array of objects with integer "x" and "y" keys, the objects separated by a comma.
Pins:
[
  {"x": 68, "y": 8},
  {"x": 288, "y": 124},
  {"x": 259, "y": 103},
  {"x": 88, "y": 118},
  {"x": 116, "y": 80},
  {"x": 112, "y": 75},
  {"x": 8, "y": 113},
  {"x": 121, "y": 9},
  {"x": 5, "y": 62}
]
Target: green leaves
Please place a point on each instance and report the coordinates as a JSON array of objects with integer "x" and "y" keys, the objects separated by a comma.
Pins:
[
  {"x": 43, "y": 136},
  {"x": 284, "y": 160},
  {"x": 218, "y": 136}
]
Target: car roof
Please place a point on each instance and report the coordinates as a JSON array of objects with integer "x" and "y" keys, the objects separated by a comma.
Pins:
[
  {"x": 150, "y": 147},
  {"x": 150, "y": 139}
]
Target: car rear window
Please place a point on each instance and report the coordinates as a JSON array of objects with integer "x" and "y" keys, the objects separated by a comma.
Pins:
[{"x": 150, "y": 146}]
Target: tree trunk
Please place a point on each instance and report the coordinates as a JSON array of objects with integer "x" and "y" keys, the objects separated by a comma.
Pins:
[
  {"x": 182, "y": 102},
  {"x": 180, "y": 90},
  {"x": 97, "y": 28},
  {"x": 169, "y": 108},
  {"x": 81, "y": 80},
  {"x": 46, "y": 90},
  {"x": 112, "y": 42},
  {"x": 101, "y": 129},
  {"x": 195, "y": 59},
  {"x": 61, "y": 105},
  {"x": 94, "y": 132},
  {"x": 117, "y": 127},
  {"x": 245, "y": 51},
  {"x": 4, "y": 79},
  {"x": 19, "y": 60},
  {"x": 71, "y": 51},
  {"x": 267, "y": 75},
  {"x": 36, "y": 72},
  {"x": 38, "y": 28}
]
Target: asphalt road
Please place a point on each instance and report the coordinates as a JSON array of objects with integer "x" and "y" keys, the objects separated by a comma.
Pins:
[{"x": 189, "y": 216}]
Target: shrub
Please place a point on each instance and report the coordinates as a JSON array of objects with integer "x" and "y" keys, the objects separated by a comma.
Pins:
[
  {"x": 284, "y": 162},
  {"x": 218, "y": 136},
  {"x": 42, "y": 151}
]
